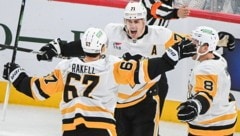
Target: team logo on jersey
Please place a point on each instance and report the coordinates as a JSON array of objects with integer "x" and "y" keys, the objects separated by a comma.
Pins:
[{"x": 117, "y": 45}]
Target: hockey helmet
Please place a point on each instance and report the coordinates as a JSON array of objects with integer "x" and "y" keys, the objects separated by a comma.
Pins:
[
  {"x": 204, "y": 34},
  {"x": 93, "y": 40},
  {"x": 135, "y": 10}
]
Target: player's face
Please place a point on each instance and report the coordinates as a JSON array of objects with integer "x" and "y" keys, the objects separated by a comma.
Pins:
[
  {"x": 201, "y": 50},
  {"x": 135, "y": 27},
  {"x": 104, "y": 48}
]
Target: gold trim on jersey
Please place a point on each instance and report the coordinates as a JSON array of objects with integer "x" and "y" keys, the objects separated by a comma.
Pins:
[
  {"x": 157, "y": 115},
  {"x": 85, "y": 108},
  {"x": 175, "y": 37},
  {"x": 124, "y": 72},
  {"x": 94, "y": 124},
  {"x": 223, "y": 132},
  {"x": 170, "y": 42},
  {"x": 48, "y": 85},
  {"x": 220, "y": 118},
  {"x": 124, "y": 105},
  {"x": 145, "y": 70},
  {"x": 136, "y": 93}
]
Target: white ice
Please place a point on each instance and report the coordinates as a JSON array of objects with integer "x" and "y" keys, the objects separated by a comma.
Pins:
[{"x": 41, "y": 121}]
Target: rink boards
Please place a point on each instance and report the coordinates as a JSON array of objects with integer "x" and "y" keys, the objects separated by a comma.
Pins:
[{"x": 46, "y": 20}]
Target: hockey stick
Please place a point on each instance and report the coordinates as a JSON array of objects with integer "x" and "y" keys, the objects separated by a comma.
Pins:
[
  {"x": 5, "y": 104},
  {"x": 27, "y": 50},
  {"x": 19, "y": 49},
  {"x": 221, "y": 43}
]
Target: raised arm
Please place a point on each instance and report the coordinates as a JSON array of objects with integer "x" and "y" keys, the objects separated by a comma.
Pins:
[
  {"x": 158, "y": 9},
  {"x": 137, "y": 70},
  {"x": 57, "y": 47},
  {"x": 39, "y": 88}
]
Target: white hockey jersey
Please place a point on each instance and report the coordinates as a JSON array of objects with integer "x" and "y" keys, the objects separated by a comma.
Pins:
[
  {"x": 89, "y": 92},
  {"x": 152, "y": 44},
  {"x": 90, "y": 88},
  {"x": 212, "y": 78}
]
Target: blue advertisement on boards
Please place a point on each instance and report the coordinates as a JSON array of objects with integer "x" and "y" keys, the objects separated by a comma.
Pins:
[{"x": 233, "y": 59}]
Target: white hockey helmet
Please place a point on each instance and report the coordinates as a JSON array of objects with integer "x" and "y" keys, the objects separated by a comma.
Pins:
[
  {"x": 204, "y": 34},
  {"x": 135, "y": 10},
  {"x": 93, "y": 40}
]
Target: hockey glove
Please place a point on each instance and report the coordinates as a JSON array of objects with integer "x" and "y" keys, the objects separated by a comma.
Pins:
[
  {"x": 226, "y": 40},
  {"x": 52, "y": 49},
  {"x": 186, "y": 48},
  {"x": 187, "y": 111},
  {"x": 180, "y": 50},
  {"x": 127, "y": 56},
  {"x": 14, "y": 73}
]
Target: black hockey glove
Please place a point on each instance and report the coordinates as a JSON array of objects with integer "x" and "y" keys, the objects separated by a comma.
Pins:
[
  {"x": 52, "y": 49},
  {"x": 14, "y": 73},
  {"x": 180, "y": 50},
  {"x": 187, "y": 111},
  {"x": 127, "y": 56},
  {"x": 226, "y": 40},
  {"x": 186, "y": 49}
]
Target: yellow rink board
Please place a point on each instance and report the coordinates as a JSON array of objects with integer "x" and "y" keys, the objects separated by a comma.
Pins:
[{"x": 169, "y": 112}]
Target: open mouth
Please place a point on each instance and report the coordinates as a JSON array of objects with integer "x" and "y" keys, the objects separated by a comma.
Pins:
[{"x": 133, "y": 32}]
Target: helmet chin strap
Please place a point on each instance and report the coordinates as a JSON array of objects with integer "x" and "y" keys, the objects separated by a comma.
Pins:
[{"x": 200, "y": 54}]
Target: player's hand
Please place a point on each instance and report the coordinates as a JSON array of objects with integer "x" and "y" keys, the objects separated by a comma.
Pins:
[
  {"x": 226, "y": 40},
  {"x": 187, "y": 111},
  {"x": 182, "y": 49},
  {"x": 52, "y": 49},
  {"x": 14, "y": 73},
  {"x": 183, "y": 12},
  {"x": 127, "y": 56},
  {"x": 187, "y": 48}
]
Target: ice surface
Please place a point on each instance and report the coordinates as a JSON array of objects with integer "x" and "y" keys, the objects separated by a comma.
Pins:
[{"x": 23, "y": 120}]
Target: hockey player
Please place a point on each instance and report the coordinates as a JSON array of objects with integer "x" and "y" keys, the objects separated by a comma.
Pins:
[
  {"x": 135, "y": 37},
  {"x": 89, "y": 84},
  {"x": 160, "y": 12},
  {"x": 210, "y": 109}
]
